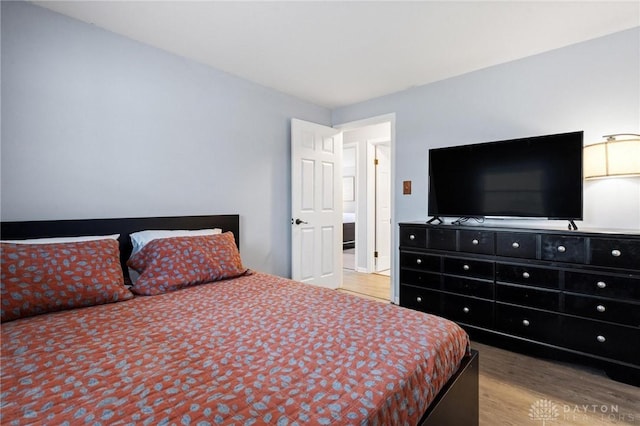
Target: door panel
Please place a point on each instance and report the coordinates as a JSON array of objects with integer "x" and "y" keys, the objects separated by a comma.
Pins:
[
  {"x": 307, "y": 193},
  {"x": 328, "y": 187},
  {"x": 316, "y": 204},
  {"x": 307, "y": 244},
  {"x": 328, "y": 244}
]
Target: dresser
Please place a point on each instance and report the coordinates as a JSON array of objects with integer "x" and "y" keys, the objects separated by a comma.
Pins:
[{"x": 567, "y": 295}]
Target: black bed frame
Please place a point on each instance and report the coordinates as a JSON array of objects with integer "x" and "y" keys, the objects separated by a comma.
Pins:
[
  {"x": 455, "y": 405},
  {"x": 348, "y": 235}
]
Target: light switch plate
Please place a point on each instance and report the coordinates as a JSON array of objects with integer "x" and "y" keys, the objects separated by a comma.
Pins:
[{"x": 406, "y": 187}]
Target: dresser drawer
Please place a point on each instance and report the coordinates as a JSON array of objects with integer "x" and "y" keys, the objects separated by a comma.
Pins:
[
  {"x": 563, "y": 248},
  {"x": 468, "y": 310},
  {"x": 420, "y": 299},
  {"x": 615, "y": 253},
  {"x": 469, "y": 268},
  {"x": 603, "y": 285},
  {"x": 420, "y": 279},
  {"x": 482, "y": 242},
  {"x": 602, "y": 309},
  {"x": 420, "y": 261},
  {"x": 413, "y": 236},
  {"x": 598, "y": 338},
  {"x": 442, "y": 239},
  {"x": 529, "y": 323},
  {"x": 468, "y": 286},
  {"x": 528, "y": 296},
  {"x": 527, "y": 275},
  {"x": 575, "y": 291},
  {"x": 516, "y": 244}
]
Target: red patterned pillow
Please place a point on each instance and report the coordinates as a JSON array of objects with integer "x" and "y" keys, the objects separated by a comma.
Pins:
[
  {"x": 172, "y": 263},
  {"x": 40, "y": 278}
]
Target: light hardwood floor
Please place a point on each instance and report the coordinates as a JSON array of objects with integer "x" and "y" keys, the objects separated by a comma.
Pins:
[
  {"x": 368, "y": 285},
  {"x": 513, "y": 386}
]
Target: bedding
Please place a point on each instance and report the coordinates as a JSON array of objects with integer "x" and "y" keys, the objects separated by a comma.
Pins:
[
  {"x": 256, "y": 349},
  {"x": 39, "y": 278},
  {"x": 170, "y": 264},
  {"x": 142, "y": 238},
  {"x": 53, "y": 240}
]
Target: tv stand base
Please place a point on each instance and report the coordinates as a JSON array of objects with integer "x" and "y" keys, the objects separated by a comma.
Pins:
[{"x": 435, "y": 219}]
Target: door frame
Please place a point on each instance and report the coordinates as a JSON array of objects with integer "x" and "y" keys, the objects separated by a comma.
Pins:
[{"x": 385, "y": 118}]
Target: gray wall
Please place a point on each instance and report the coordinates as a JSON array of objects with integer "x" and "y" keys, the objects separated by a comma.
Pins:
[
  {"x": 592, "y": 86},
  {"x": 97, "y": 125}
]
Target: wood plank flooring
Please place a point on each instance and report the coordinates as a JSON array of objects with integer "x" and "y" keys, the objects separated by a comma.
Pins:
[
  {"x": 513, "y": 386},
  {"x": 368, "y": 285}
]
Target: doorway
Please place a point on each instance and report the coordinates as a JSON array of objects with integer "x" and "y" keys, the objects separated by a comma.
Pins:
[
  {"x": 367, "y": 206},
  {"x": 319, "y": 179}
]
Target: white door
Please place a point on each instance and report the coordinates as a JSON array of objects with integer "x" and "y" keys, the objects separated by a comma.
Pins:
[
  {"x": 383, "y": 208},
  {"x": 316, "y": 204}
]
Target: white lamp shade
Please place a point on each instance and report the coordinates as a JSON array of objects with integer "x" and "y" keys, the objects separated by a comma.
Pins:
[
  {"x": 612, "y": 158},
  {"x": 594, "y": 161}
]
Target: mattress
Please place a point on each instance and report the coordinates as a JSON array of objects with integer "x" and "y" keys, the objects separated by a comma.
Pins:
[{"x": 257, "y": 349}]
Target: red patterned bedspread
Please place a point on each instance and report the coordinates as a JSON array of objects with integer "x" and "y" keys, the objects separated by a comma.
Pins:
[{"x": 252, "y": 350}]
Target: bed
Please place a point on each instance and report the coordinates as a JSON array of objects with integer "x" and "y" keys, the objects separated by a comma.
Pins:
[
  {"x": 249, "y": 349},
  {"x": 348, "y": 230}
]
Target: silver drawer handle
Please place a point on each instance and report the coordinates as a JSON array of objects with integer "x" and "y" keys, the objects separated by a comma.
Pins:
[
  {"x": 418, "y": 261},
  {"x": 418, "y": 299},
  {"x": 601, "y": 284},
  {"x": 616, "y": 253},
  {"x": 515, "y": 245},
  {"x": 525, "y": 323},
  {"x": 562, "y": 249},
  {"x": 475, "y": 242},
  {"x": 466, "y": 267},
  {"x": 601, "y": 339},
  {"x": 600, "y": 308},
  {"x": 465, "y": 310},
  {"x": 412, "y": 237},
  {"x": 525, "y": 275}
]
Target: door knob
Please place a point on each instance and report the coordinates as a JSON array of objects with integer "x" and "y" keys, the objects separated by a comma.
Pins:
[{"x": 298, "y": 222}]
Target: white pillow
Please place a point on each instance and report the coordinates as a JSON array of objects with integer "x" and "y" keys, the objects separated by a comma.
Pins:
[
  {"x": 142, "y": 238},
  {"x": 63, "y": 239}
]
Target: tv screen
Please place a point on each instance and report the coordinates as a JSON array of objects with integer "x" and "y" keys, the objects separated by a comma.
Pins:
[{"x": 536, "y": 177}]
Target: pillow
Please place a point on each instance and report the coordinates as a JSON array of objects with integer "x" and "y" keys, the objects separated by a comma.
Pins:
[
  {"x": 142, "y": 238},
  {"x": 40, "y": 278},
  {"x": 63, "y": 239},
  {"x": 173, "y": 263}
]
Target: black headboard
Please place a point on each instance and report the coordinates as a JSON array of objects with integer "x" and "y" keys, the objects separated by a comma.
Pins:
[{"x": 122, "y": 226}]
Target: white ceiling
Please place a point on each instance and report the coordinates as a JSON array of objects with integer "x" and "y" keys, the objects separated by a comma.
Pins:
[{"x": 337, "y": 53}]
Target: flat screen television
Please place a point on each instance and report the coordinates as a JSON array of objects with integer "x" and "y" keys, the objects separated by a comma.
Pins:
[{"x": 534, "y": 177}]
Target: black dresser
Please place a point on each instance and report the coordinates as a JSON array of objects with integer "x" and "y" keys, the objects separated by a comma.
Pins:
[{"x": 568, "y": 295}]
